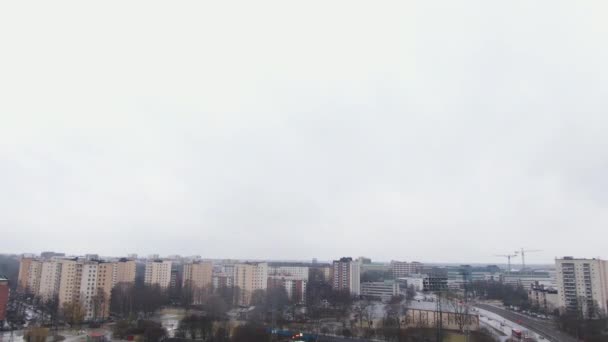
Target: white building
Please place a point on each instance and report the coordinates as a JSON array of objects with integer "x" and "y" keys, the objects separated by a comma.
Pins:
[
  {"x": 382, "y": 290},
  {"x": 299, "y": 272},
  {"x": 347, "y": 276},
  {"x": 582, "y": 285}
]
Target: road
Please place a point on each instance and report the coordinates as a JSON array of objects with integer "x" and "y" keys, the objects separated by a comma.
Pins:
[{"x": 544, "y": 328}]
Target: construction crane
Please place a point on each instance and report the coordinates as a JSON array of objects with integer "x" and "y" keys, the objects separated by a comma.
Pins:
[
  {"x": 523, "y": 256},
  {"x": 508, "y": 256}
]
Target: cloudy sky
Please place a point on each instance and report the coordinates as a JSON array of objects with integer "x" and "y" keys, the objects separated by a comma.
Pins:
[{"x": 427, "y": 130}]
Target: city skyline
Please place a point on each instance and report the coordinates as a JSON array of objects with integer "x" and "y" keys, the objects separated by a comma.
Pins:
[{"x": 445, "y": 132}]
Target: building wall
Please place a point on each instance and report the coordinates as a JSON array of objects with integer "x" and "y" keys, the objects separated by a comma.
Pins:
[
  {"x": 383, "y": 290},
  {"x": 346, "y": 276},
  {"x": 249, "y": 277},
  {"x": 69, "y": 284},
  {"x": 158, "y": 273},
  {"x": 22, "y": 280},
  {"x": 300, "y": 272},
  {"x": 198, "y": 277},
  {"x": 33, "y": 280},
  {"x": 4, "y": 292},
  {"x": 294, "y": 286},
  {"x": 124, "y": 271},
  {"x": 403, "y": 269},
  {"x": 50, "y": 277},
  {"x": 582, "y": 284}
]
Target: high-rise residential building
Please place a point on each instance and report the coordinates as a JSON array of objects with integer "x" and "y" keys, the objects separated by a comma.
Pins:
[
  {"x": 4, "y": 293},
  {"x": 70, "y": 281},
  {"x": 95, "y": 288},
  {"x": 158, "y": 272},
  {"x": 23, "y": 278},
  {"x": 124, "y": 271},
  {"x": 198, "y": 274},
  {"x": 50, "y": 278},
  {"x": 198, "y": 278},
  {"x": 33, "y": 277},
  {"x": 347, "y": 276},
  {"x": 248, "y": 277},
  {"x": 403, "y": 269},
  {"x": 582, "y": 286}
]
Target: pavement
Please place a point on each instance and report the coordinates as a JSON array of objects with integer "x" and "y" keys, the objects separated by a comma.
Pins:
[{"x": 545, "y": 328}]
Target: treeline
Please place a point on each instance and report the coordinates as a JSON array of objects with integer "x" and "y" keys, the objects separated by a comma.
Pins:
[{"x": 493, "y": 290}]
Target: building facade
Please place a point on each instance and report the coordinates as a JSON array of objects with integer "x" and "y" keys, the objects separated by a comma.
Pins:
[
  {"x": 544, "y": 298},
  {"x": 4, "y": 293},
  {"x": 582, "y": 286},
  {"x": 50, "y": 277},
  {"x": 347, "y": 276},
  {"x": 403, "y": 269},
  {"x": 249, "y": 277},
  {"x": 198, "y": 278},
  {"x": 382, "y": 290},
  {"x": 158, "y": 272},
  {"x": 295, "y": 287}
]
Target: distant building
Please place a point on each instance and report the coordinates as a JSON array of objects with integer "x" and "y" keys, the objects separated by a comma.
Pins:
[
  {"x": 347, "y": 276},
  {"x": 158, "y": 272},
  {"x": 296, "y": 270},
  {"x": 382, "y": 290},
  {"x": 49, "y": 255},
  {"x": 249, "y": 277},
  {"x": 198, "y": 277},
  {"x": 4, "y": 293},
  {"x": 582, "y": 286},
  {"x": 222, "y": 280},
  {"x": 295, "y": 287},
  {"x": 544, "y": 298},
  {"x": 50, "y": 277},
  {"x": 24, "y": 270},
  {"x": 528, "y": 278},
  {"x": 415, "y": 280},
  {"x": 434, "y": 282},
  {"x": 124, "y": 271},
  {"x": 403, "y": 268}
]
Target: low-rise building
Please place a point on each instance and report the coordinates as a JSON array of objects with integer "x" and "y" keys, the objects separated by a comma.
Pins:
[
  {"x": 544, "y": 298},
  {"x": 453, "y": 316},
  {"x": 381, "y": 290}
]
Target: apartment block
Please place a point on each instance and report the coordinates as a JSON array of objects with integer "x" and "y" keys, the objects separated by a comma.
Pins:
[
  {"x": 249, "y": 277},
  {"x": 124, "y": 271},
  {"x": 158, "y": 272},
  {"x": 95, "y": 288},
  {"x": 544, "y": 298},
  {"x": 198, "y": 274},
  {"x": 50, "y": 279},
  {"x": 582, "y": 285},
  {"x": 70, "y": 280},
  {"x": 347, "y": 276}
]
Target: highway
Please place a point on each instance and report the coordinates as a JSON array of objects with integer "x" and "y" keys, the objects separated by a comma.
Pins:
[{"x": 545, "y": 328}]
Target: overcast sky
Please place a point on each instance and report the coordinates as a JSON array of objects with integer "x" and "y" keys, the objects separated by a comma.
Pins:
[{"x": 414, "y": 130}]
